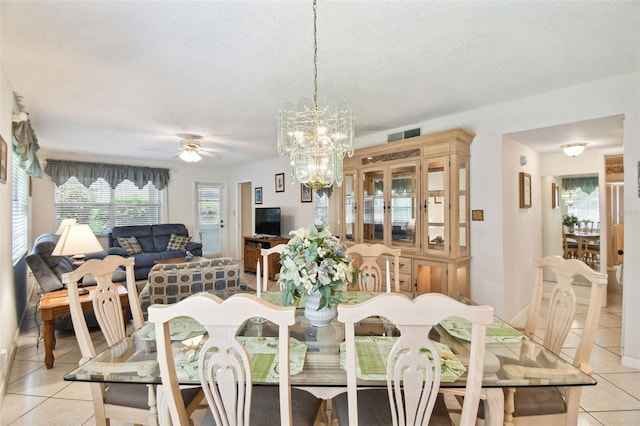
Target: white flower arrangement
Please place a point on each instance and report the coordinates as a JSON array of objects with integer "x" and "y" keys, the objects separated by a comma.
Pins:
[{"x": 315, "y": 261}]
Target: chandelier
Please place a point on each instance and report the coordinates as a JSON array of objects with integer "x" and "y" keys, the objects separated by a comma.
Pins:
[
  {"x": 569, "y": 197},
  {"x": 316, "y": 135}
]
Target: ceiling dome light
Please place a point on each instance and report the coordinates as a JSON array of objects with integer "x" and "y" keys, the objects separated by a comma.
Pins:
[
  {"x": 190, "y": 156},
  {"x": 573, "y": 149}
]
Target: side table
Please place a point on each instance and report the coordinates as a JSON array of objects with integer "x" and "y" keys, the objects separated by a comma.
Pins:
[{"x": 55, "y": 304}]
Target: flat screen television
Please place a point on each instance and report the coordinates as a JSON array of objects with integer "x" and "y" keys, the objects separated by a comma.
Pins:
[{"x": 267, "y": 220}]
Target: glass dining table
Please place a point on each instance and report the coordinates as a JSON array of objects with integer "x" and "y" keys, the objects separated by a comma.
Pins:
[{"x": 512, "y": 360}]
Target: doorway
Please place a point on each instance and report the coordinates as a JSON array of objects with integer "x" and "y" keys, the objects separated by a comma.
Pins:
[
  {"x": 245, "y": 216},
  {"x": 210, "y": 222}
]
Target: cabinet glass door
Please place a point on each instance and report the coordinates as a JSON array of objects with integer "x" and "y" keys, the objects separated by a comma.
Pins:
[
  {"x": 402, "y": 205},
  {"x": 463, "y": 210},
  {"x": 350, "y": 206},
  {"x": 436, "y": 207},
  {"x": 373, "y": 211}
]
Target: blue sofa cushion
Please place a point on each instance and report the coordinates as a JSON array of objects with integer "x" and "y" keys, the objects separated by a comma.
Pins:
[
  {"x": 141, "y": 232},
  {"x": 162, "y": 234}
]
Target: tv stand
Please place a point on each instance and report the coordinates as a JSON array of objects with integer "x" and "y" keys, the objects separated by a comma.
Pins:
[{"x": 253, "y": 246}]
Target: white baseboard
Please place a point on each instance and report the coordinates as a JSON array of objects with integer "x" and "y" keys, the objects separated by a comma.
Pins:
[{"x": 631, "y": 362}]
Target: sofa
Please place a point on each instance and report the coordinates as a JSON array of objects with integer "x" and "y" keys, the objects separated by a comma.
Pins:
[
  {"x": 170, "y": 283},
  {"x": 149, "y": 243}
]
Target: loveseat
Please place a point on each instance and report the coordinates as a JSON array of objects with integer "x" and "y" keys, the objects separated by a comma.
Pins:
[
  {"x": 149, "y": 243},
  {"x": 170, "y": 283}
]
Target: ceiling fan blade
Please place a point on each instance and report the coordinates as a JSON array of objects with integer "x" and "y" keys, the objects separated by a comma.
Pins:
[
  {"x": 209, "y": 154},
  {"x": 157, "y": 149}
]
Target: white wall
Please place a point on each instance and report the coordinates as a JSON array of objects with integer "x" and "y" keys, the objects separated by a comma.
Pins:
[
  {"x": 8, "y": 311},
  {"x": 491, "y": 279}
]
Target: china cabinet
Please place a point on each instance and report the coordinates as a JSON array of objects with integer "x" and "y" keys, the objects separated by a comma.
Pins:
[{"x": 413, "y": 194}]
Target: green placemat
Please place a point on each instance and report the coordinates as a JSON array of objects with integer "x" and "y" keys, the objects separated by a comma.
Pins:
[
  {"x": 180, "y": 328},
  {"x": 372, "y": 353},
  {"x": 263, "y": 353},
  {"x": 498, "y": 332}
]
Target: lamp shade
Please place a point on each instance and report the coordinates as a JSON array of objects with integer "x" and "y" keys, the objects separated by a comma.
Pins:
[
  {"x": 76, "y": 240},
  {"x": 573, "y": 149},
  {"x": 64, "y": 224}
]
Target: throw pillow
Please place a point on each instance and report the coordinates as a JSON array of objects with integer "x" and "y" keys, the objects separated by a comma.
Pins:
[
  {"x": 178, "y": 242},
  {"x": 130, "y": 245}
]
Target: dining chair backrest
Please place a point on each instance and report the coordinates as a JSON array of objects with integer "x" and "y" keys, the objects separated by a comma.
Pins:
[
  {"x": 224, "y": 365},
  {"x": 108, "y": 402},
  {"x": 562, "y": 304},
  {"x": 548, "y": 404},
  {"x": 412, "y": 396},
  {"x": 265, "y": 253},
  {"x": 586, "y": 225},
  {"x": 366, "y": 257},
  {"x": 106, "y": 301}
]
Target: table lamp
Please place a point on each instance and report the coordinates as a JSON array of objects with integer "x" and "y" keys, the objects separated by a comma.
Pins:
[
  {"x": 76, "y": 241},
  {"x": 64, "y": 224}
]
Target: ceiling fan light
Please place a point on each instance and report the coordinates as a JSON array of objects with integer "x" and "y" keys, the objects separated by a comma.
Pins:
[
  {"x": 573, "y": 149},
  {"x": 190, "y": 156}
]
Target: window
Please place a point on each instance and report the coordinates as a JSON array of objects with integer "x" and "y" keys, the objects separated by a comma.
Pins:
[
  {"x": 19, "y": 211},
  {"x": 102, "y": 207}
]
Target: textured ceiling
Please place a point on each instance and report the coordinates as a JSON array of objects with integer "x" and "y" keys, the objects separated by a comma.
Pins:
[{"x": 125, "y": 77}]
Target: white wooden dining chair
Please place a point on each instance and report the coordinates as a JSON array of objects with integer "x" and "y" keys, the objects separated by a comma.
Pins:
[
  {"x": 366, "y": 258},
  {"x": 120, "y": 401},
  {"x": 127, "y": 402},
  {"x": 556, "y": 405},
  {"x": 265, "y": 253},
  {"x": 224, "y": 366},
  {"x": 413, "y": 364}
]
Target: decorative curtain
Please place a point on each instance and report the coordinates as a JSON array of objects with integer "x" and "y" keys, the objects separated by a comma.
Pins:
[
  {"x": 586, "y": 184},
  {"x": 87, "y": 173},
  {"x": 25, "y": 145}
]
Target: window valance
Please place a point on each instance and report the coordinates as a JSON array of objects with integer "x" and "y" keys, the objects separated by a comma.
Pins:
[
  {"x": 25, "y": 145},
  {"x": 587, "y": 184},
  {"x": 87, "y": 173}
]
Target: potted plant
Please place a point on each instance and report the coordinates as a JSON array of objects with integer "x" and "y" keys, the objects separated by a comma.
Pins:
[
  {"x": 570, "y": 221},
  {"x": 315, "y": 267}
]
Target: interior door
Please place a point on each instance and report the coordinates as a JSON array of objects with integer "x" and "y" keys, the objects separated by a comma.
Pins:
[{"x": 210, "y": 222}]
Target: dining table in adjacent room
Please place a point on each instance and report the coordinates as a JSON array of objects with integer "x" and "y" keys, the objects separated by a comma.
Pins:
[{"x": 512, "y": 360}]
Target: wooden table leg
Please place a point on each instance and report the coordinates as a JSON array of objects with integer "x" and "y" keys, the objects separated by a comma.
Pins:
[{"x": 48, "y": 335}]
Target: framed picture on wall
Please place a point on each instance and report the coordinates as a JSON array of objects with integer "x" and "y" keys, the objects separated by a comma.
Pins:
[
  {"x": 525, "y": 190},
  {"x": 280, "y": 182},
  {"x": 3, "y": 161},
  {"x": 306, "y": 194},
  {"x": 258, "y": 195}
]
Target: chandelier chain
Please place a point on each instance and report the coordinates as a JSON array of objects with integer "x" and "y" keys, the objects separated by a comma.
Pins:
[{"x": 315, "y": 56}]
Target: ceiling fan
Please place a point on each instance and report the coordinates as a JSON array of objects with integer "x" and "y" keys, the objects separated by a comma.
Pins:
[{"x": 191, "y": 150}]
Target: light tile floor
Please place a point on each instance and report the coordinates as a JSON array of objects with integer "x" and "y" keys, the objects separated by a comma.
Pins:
[{"x": 37, "y": 396}]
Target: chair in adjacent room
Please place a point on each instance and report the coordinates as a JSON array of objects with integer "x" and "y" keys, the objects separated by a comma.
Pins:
[
  {"x": 570, "y": 247},
  {"x": 413, "y": 364},
  {"x": 555, "y": 405},
  {"x": 367, "y": 258},
  {"x": 127, "y": 402},
  {"x": 224, "y": 365},
  {"x": 265, "y": 253}
]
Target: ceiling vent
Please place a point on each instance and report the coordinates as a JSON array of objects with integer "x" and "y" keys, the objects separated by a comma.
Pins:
[{"x": 403, "y": 135}]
